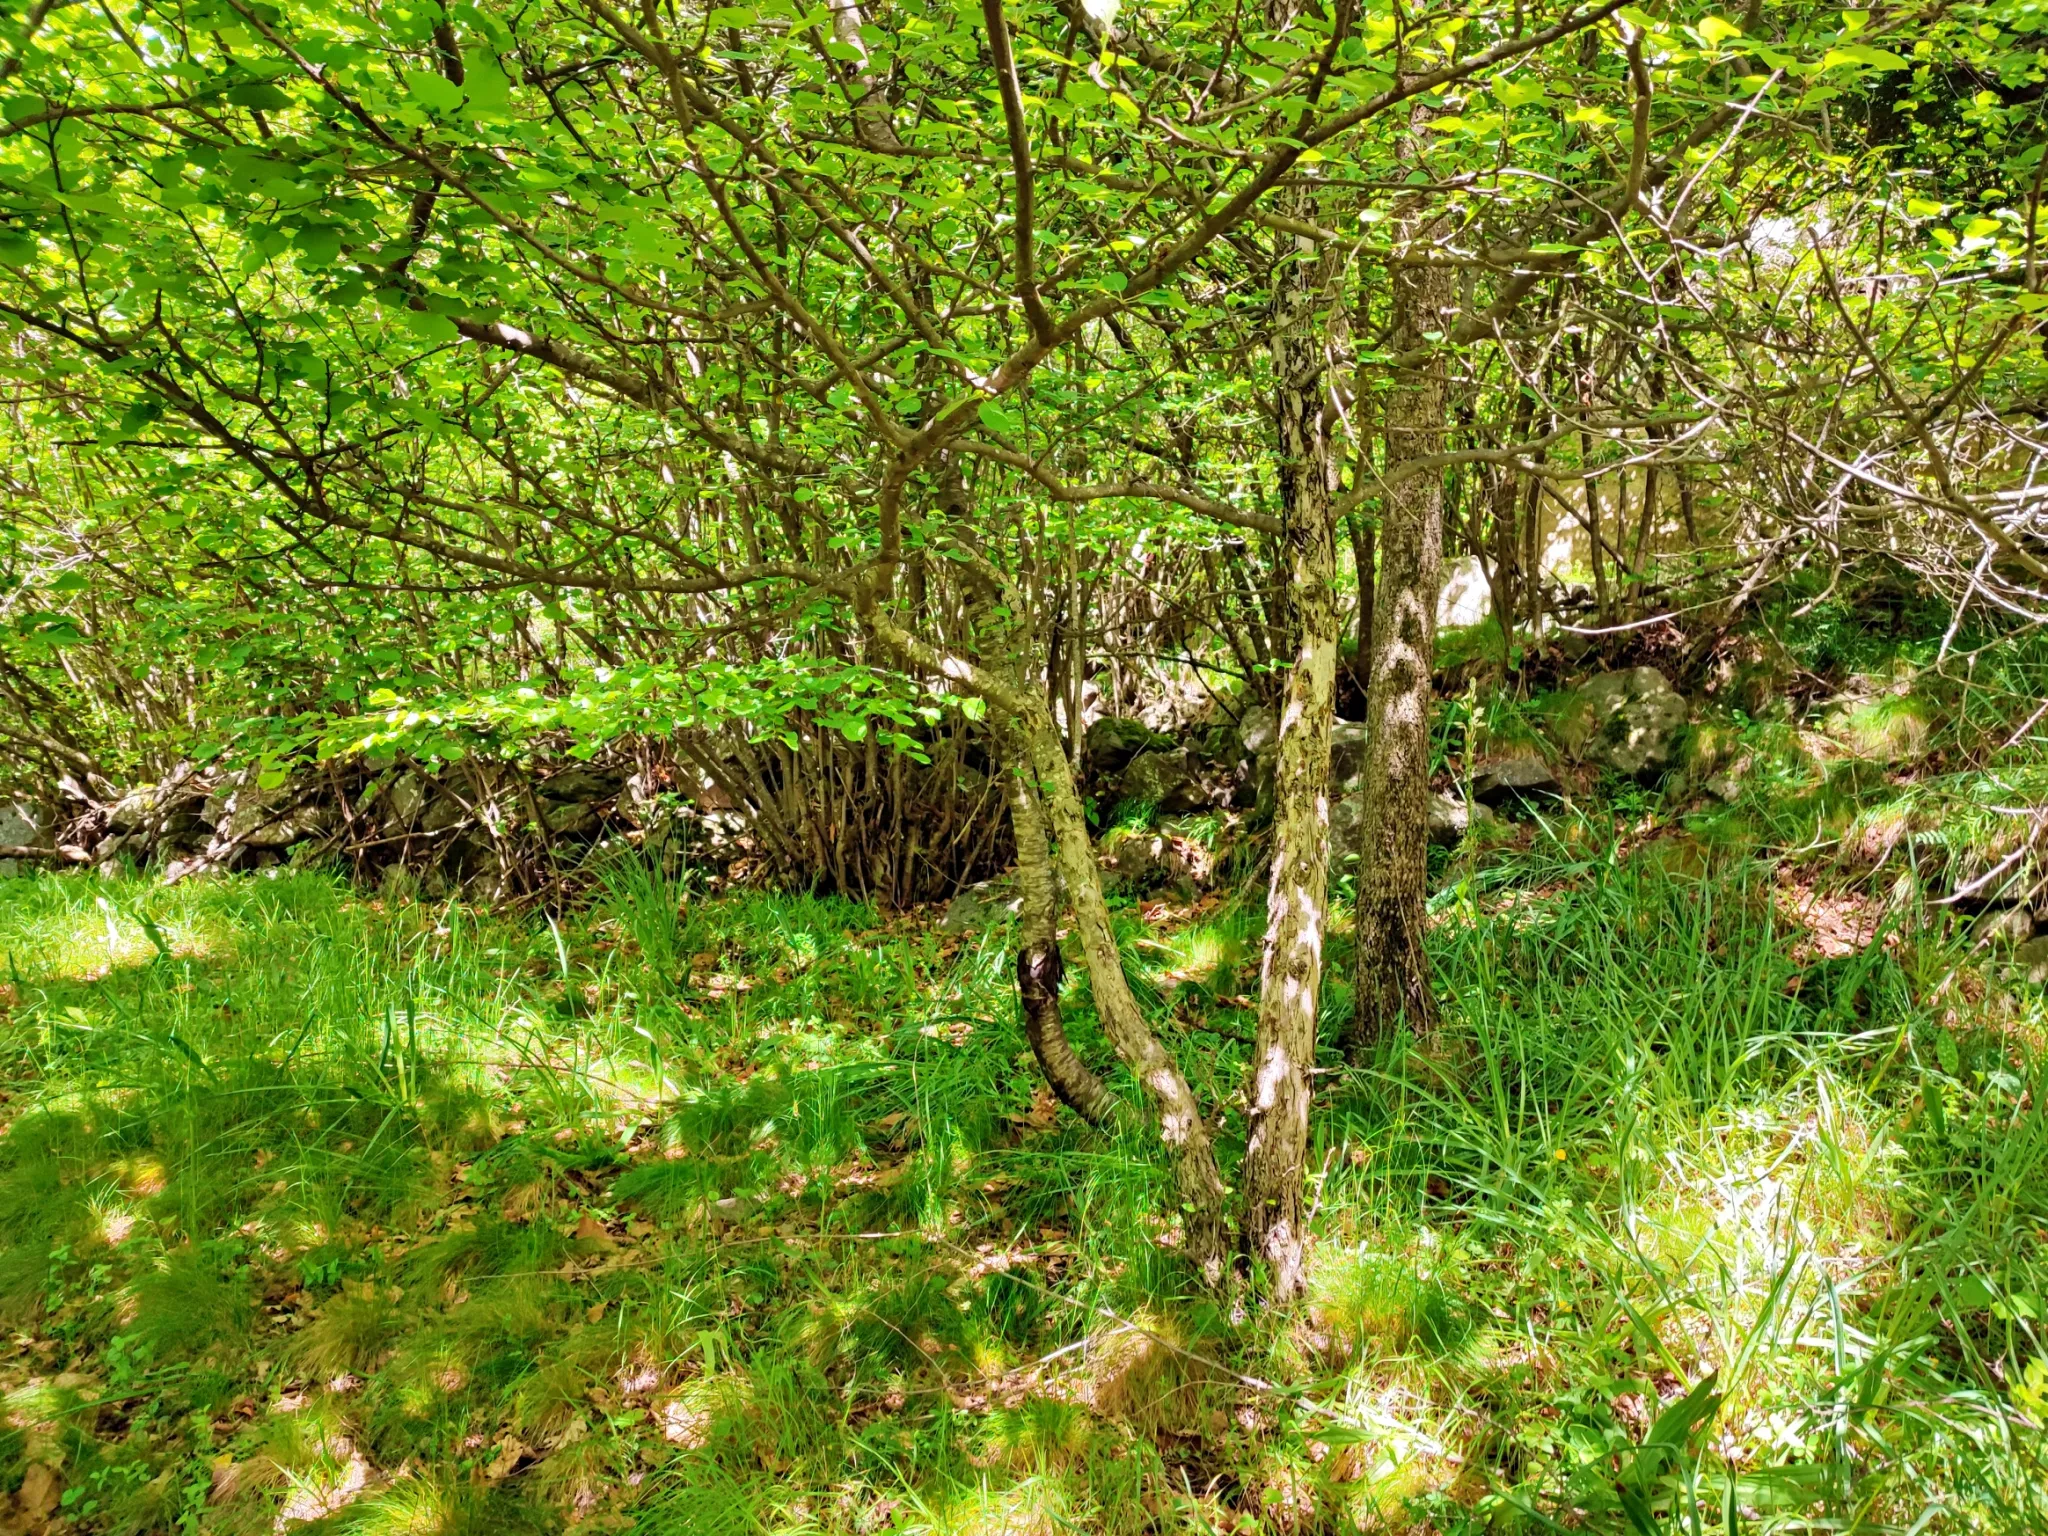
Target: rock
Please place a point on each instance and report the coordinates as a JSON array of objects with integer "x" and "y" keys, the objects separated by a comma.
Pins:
[
  {"x": 980, "y": 904},
  {"x": 1112, "y": 742},
  {"x": 2031, "y": 959},
  {"x": 1347, "y": 751},
  {"x": 133, "y": 810},
  {"x": 443, "y": 811},
  {"x": 1162, "y": 779},
  {"x": 249, "y": 816},
  {"x": 1258, "y": 730},
  {"x": 1893, "y": 729},
  {"x": 406, "y": 796},
  {"x": 21, "y": 825},
  {"x": 569, "y": 818},
  {"x": 1449, "y": 820},
  {"x": 1520, "y": 777},
  {"x": 2005, "y": 927},
  {"x": 40, "y": 1492},
  {"x": 583, "y": 784},
  {"x": 268, "y": 826},
  {"x": 1629, "y": 722},
  {"x": 1141, "y": 861},
  {"x": 1466, "y": 598}
]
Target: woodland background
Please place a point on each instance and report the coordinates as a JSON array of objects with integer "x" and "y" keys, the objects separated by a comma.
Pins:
[{"x": 1082, "y": 765}]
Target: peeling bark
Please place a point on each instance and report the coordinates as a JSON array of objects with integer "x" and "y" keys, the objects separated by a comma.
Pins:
[
  {"x": 1290, "y": 989},
  {"x": 873, "y": 123}
]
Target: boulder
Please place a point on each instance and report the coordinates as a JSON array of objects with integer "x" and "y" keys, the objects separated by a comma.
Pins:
[
  {"x": 2031, "y": 960},
  {"x": 1449, "y": 820},
  {"x": 1523, "y": 776},
  {"x": 21, "y": 826},
  {"x": 406, "y": 796},
  {"x": 2004, "y": 927},
  {"x": 1163, "y": 779},
  {"x": 1141, "y": 861},
  {"x": 1347, "y": 751},
  {"x": 583, "y": 784},
  {"x": 443, "y": 811},
  {"x": 241, "y": 812},
  {"x": 980, "y": 904},
  {"x": 1466, "y": 597},
  {"x": 1112, "y": 742},
  {"x": 134, "y": 810},
  {"x": 569, "y": 818},
  {"x": 1258, "y": 730},
  {"x": 1629, "y": 721}
]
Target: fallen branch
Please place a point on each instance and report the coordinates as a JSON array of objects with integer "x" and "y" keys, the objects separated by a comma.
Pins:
[{"x": 67, "y": 854}]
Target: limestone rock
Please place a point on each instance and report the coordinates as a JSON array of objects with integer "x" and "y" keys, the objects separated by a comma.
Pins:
[
  {"x": 21, "y": 826},
  {"x": 1347, "y": 750},
  {"x": 1449, "y": 820},
  {"x": 980, "y": 904},
  {"x": 133, "y": 810},
  {"x": 582, "y": 784},
  {"x": 1466, "y": 598},
  {"x": 1163, "y": 779},
  {"x": 1113, "y": 742},
  {"x": 242, "y": 812},
  {"x": 406, "y": 796},
  {"x": 569, "y": 818},
  {"x": 1628, "y": 721},
  {"x": 2031, "y": 960},
  {"x": 1258, "y": 730},
  {"x": 1146, "y": 860},
  {"x": 1523, "y": 776}
]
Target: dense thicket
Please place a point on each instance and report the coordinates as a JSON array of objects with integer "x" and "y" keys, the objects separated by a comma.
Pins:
[{"x": 798, "y": 387}]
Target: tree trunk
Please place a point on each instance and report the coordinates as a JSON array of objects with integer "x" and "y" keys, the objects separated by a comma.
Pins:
[
  {"x": 1039, "y": 966},
  {"x": 1188, "y": 1148},
  {"x": 1393, "y": 970},
  {"x": 1291, "y": 975}
]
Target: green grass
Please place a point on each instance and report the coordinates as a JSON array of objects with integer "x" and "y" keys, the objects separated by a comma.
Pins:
[{"x": 677, "y": 1215}]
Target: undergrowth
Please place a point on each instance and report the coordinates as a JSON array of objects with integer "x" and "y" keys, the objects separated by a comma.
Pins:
[{"x": 749, "y": 1215}]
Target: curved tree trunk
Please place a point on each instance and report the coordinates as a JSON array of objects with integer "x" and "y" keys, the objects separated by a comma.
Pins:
[
  {"x": 1291, "y": 975},
  {"x": 1188, "y": 1148},
  {"x": 1189, "y": 1151},
  {"x": 1393, "y": 970},
  {"x": 1039, "y": 966}
]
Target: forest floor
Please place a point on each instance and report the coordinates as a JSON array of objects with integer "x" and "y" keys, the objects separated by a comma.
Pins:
[{"x": 1718, "y": 1200}]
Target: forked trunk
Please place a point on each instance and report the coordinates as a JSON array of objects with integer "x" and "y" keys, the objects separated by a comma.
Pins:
[
  {"x": 1393, "y": 970},
  {"x": 1039, "y": 966},
  {"x": 1193, "y": 1158}
]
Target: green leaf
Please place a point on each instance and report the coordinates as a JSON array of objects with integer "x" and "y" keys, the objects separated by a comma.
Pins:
[
  {"x": 430, "y": 91},
  {"x": 1715, "y": 30},
  {"x": 996, "y": 419},
  {"x": 1510, "y": 92},
  {"x": 430, "y": 327},
  {"x": 260, "y": 94},
  {"x": 1862, "y": 55}
]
